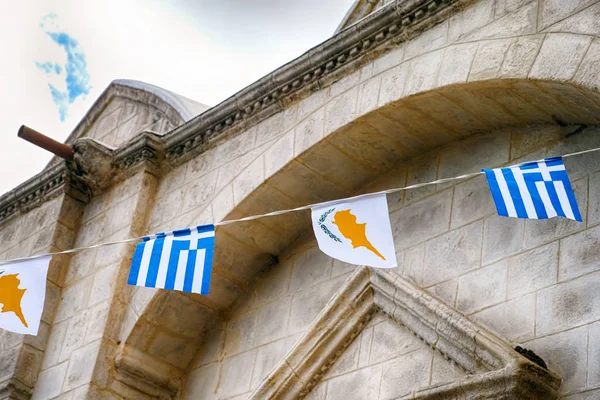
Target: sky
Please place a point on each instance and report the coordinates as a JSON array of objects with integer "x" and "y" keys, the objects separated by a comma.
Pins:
[{"x": 59, "y": 55}]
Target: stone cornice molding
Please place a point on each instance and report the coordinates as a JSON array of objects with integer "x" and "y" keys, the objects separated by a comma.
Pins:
[{"x": 495, "y": 370}]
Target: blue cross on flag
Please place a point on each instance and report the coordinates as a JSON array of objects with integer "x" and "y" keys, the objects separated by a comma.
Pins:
[
  {"x": 538, "y": 190},
  {"x": 178, "y": 260}
]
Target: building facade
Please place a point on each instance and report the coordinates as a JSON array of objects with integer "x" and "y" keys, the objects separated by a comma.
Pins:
[{"x": 406, "y": 91}]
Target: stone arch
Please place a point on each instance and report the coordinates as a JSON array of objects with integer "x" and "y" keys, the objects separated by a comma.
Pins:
[{"x": 368, "y": 126}]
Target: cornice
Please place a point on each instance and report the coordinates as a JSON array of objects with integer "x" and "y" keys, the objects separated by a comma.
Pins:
[{"x": 319, "y": 67}]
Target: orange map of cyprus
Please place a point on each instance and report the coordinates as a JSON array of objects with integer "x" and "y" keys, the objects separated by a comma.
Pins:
[
  {"x": 11, "y": 296},
  {"x": 346, "y": 223}
]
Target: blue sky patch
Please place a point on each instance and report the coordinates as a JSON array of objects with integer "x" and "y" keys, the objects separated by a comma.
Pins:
[{"x": 76, "y": 76}]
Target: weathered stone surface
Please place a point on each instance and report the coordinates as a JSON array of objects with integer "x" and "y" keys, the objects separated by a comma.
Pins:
[
  {"x": 203, "y": 383},
  {"x": 532, "y": 270},
  {"x": 488, "y": 59},
  {"x": 235, "y": 376},
  {"x": 456, "y": 63},
  {"x": 580, "y": 254},
  {"x": 502, "y": 237},
  {"x": 390, "y": 341},
  {"x": 50, "y": 382},
  {"x": 513, "y": 320},
  {"x": 552, "y": 11},
  {"x": 594, "y": 355},
  {"x": 584, "y": 22},
  {"x": 406, "y": 373},
  {"x": 452, "y": 254},
  {"x": 423, "y": 220},
  {"x": 559, "y": 56},
  {"x": 482, "y": 288},
  {"x": 520, "y": 56},
  {"x": 568, "y": 305},
  {"x": 361, "y": 384},
  {"x": 588, "y": 74},
  {"x": 472, "y": 201},
  {"x": 565, "y": 353}
]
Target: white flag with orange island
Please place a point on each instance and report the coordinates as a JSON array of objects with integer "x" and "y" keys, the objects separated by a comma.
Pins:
[
  {"x": 356, "y": 231},
  {"x": 22, "y": 294}
]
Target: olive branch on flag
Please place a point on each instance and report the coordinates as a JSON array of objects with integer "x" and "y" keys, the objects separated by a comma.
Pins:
[{"x": 324, "y": 227}]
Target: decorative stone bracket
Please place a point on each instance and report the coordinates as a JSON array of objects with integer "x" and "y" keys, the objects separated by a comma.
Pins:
[{"x": 496, "y": 371}]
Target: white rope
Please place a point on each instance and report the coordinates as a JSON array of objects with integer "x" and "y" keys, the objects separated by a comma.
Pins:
[{"x": 281, "y": 212}]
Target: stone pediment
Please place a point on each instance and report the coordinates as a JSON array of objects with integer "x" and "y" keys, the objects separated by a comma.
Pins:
[{"x": 481, "y": 365}]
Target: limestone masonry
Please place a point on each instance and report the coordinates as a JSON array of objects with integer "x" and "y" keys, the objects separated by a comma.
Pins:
[{"x": 406, "y": 91}]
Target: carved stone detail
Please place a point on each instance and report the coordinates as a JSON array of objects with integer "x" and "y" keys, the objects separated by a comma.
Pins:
[{"x": 496, "y": 371}]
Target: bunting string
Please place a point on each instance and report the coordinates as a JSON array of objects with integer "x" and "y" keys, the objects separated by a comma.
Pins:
[{"x": 281, "y": 212}]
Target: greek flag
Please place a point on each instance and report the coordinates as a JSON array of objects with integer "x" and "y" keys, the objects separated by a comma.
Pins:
[
  {"x": 178, "y": 260},
  {"x": 538, "y": 190}
]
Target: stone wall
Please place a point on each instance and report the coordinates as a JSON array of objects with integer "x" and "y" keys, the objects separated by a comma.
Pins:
[
  {"x": 506, "y": 274},
  {"x": 500, "y": 82}
]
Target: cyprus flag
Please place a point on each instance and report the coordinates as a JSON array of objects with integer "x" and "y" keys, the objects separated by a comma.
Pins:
[
  {"x": 356, "y": 231},
  {"x": 22, "y": 294}
]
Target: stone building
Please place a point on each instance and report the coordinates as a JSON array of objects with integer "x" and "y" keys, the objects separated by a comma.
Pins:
[{"x": 405, "y": 92}]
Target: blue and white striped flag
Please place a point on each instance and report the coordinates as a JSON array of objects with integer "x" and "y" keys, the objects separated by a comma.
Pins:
[
  {"x": 538, "y": 190},
  {"x": 178, "y": 260}
]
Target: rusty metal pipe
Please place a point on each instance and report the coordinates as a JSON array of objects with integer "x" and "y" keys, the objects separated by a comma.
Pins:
[{"x": 32, "y": 136}]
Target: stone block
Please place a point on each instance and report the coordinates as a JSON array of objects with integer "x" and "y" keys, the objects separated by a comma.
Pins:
[
  {"x": 74, "y": 299},
  {"x": 212, "y": 348},
  {"x": 365, "y": 338},
  {"x": 405, "y": 374},
  {"x": 361, "y": 384},
  {"x": 392, "y": 84},
  {"x": 579, "y": 254},
  {"x": 552, "y": 11},
  {"x": 368, "y": 95},
  {"x": 584, "y": 22},
  {"x": 223, "y": 203},
  {"x": 443, "y": 371},
  {"x": 81, "y": 366},
  {"x": 594, "y": 200},
  {"x": 346, "y": 362},
  {"x": 97, "y": 325},
  {"x": 568, "y": 304},
  {"x": 532, "y": 270},
  {"x": 588, "y": 73},
  {"x": 432, "y": 39},
  {"x": 274, "y": 284},
  {"x": 236, "y": 374},
  {"x": 198, "y": 193},
  {"x": 251, "y": 178},
  {"x": 482, "y": 288},
  {"x": 456, "y": 64},
  {"x": 203, "y": 382},
  {"x": 518, "y": 23},
  {"x": 520, "y": 56},
  {"x": 309, "y": 131},
  {"x": 453, "y": 254},
  {"x": 469, "y": 155},
  {"x": 422, "y": 220},
  {"x": 104, "y": 284},
  {"x": 421, "y": 170},
  {"x": 228, "y": 172},
  {"x": 54, "y": 345},
  {"x": 50, "y": 382},
  {"x": 560, "y": 56},
  {"x": 344, "y": 84},
  {"x": 340, "y": 110},
  {"x": 423, "y": 72},
  {"x": 513, "y": 320},
  {"x": 391, "y": 340},
  {"x": 268, "y": 327},
  {"x": 411, "y": 262},
  {"x": 388, "y": 60},
  {"x": 478, "y": 15},
  {"x": 502, "y": 237},
  {"x": 538, "y": 232},
  {"x": 565, "y": 354},
  {"x": 176, "y": 350},
  {"x": 269, "y": 129},
  {"x": 594, "y": 355},
  {"x": 489, "y": 58},
  {"x": 268, "y": 357},
  {"x": 311, "y": 267},
  {"x": 587, "y": 395},
  {"x": 446, "y": 291},
  {"x": 279, "y": 154},
  {"x": 240, "y": 333},
  {"x": 308, "y": 303},
  {"x": 75, "y": 335},
  {"x": 472, "y": 201}
]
